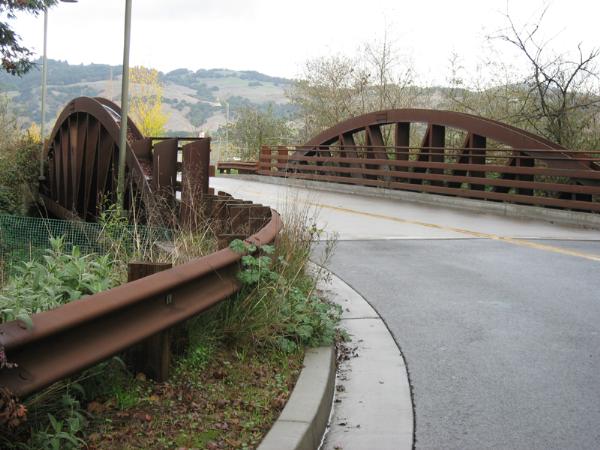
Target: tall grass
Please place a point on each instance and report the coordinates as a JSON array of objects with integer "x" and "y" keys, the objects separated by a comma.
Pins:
[{"x": 278, "y": 304}]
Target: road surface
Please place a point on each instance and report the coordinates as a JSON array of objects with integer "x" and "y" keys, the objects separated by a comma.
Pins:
[{"x": 498, "y": 319}]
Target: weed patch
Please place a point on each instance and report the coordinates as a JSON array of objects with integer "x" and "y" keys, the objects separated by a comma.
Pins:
[{"x": 219, "y": 398}]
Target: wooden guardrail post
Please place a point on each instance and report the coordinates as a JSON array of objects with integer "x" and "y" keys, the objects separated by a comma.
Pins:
[{"x": 152, "y": 356}]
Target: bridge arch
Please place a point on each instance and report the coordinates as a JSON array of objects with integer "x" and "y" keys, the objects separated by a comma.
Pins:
[
  {"x": 492, "y": 161},
  {"x": 81, "y": 157}
]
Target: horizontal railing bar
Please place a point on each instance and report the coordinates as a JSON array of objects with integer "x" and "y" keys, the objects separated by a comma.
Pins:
[
  {"x": 423, "y": 151},
  {"x": 518, "y": 149},
  {"x": 574, "y": 173},
  {"x": 179, "y": 138},
  {"x": 486, "y": 156},
  {"x": 546, "y": 186},
  {"x": 468, "y": 193}
]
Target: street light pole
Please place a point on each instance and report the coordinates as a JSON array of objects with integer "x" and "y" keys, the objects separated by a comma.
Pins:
[{"x": 124, "y": 111}]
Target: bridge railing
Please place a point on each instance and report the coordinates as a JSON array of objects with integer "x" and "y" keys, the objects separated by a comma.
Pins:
[
  {"x": 542, "y": 177},
  {"x": 241, "y": 167}
]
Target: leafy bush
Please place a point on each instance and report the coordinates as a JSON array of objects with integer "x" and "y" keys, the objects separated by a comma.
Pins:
[
  {"x": 287, "y": 298},
  {"x": 19, "y": 156},
  {"x": 60, "y": 278}
]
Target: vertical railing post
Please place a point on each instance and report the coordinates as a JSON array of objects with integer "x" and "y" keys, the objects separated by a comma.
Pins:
[
  {"x": 525, "y": 162},
  {"x": 437, "y": 150},
  {"x": 194, "y": 180},
  {"x": 401, "y": 146},
  {"x": 264, "y": 159},
  {"x": 477, "y": 152},
  {"x": 282, "y": 151},
  {"x": 152, "y": 356}
]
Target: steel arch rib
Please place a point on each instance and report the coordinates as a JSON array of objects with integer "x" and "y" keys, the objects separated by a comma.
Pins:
[
  {"x": 80, "y": 154},
  {"x": 501, "y": 132}
]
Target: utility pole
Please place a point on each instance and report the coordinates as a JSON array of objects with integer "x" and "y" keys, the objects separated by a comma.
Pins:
[
  {"x": 226, "y": 128},
  {"x": 44, "y": 79},
  {"x": 124, "y": 111}
]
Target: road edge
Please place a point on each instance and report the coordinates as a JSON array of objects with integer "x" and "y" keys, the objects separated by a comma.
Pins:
[
  {"x": 304, "y": 418},
  {"x": 373, "y": 402},
  {"x": 311, "y": 417},
  {"x": 563, "y": 217}
]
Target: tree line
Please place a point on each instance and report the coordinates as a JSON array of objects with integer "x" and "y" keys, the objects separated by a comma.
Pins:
[{"x": 557, "y": 95}]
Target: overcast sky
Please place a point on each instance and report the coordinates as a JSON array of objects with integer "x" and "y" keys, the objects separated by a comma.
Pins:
[{"x": 276, "y": 37}]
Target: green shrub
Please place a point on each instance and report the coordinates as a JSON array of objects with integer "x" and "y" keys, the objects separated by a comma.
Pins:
[
  {"x": 19, "y": 159},
  {"x": 287, "y": 298},
  {"x": 59, "y": 278}
]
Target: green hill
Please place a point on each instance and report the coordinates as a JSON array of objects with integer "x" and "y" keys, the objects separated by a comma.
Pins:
[{"x": 194, "y": 100}]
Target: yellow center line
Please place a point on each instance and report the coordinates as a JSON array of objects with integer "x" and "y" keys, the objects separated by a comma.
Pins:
[
  {"x": 477, "y": 234},
  {"x": 519, "y": 242}
]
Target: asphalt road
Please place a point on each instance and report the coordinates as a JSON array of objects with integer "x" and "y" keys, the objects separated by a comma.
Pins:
[
  {"x": 502, "y": 342},
  {"x": 501, "y": 335}
]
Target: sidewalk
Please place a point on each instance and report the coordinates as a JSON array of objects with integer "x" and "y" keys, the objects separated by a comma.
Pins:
[{"x": 372, "y": 406}]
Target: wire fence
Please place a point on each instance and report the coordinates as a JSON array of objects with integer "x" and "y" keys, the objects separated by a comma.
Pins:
[{"x": 25, "y": 239}]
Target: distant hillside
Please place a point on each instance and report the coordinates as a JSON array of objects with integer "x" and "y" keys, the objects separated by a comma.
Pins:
[{"x": 194, "y": 101}]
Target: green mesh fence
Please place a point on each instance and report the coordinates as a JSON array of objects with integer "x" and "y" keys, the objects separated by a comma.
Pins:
[{"x": 27, "y": 238}]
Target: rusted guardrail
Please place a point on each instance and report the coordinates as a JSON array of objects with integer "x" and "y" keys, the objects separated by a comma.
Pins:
[
  {"x": 242, "y": 167},
  {"x": 77, "y": 335},
  {"x": 543, "y": 177}
]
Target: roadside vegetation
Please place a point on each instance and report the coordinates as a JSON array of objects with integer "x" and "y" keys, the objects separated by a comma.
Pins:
[
  {"x": 19, "y": 159},
  {"x": 232, "y": 374}
]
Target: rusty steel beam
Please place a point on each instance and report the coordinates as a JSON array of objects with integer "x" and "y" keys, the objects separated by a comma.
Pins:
[
  {"x": 164, "y": 167},
  {"x": 194, "y": 181}
]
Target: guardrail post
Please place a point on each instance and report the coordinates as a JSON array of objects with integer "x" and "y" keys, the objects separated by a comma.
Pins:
[{"x": 152, "y": 356}]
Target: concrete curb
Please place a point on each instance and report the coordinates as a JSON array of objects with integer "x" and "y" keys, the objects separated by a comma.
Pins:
[
  {"x": 573, "y": 218},
  {"x": 373, "y": 404},
  {"x": 303, "y": 421}
]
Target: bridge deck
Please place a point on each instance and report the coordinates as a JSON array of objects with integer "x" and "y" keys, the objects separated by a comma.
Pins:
[{"x": 498, "y": 319}]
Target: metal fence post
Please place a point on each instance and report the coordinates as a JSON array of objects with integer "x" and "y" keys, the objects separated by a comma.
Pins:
[{"x": 152, "y": 356}]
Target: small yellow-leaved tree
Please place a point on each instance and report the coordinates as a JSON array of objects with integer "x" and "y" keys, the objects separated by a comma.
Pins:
[{"x": 145, "y": 101}]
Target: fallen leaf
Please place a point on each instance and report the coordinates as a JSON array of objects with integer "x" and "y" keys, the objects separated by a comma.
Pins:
[{"x": 95, "y": 407}]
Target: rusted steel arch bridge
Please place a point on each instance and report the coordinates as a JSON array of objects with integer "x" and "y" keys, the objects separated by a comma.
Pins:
[
  {"x": 81, "y": 159},
  {"x": 443, "y": 152}
]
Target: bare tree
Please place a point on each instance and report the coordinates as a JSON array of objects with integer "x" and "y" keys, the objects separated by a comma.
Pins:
[
  {"x": 335, "y": 88},
  {"x": 326, "y": 93},
  {"x": 561, "y": 99},
  {"x": 390, "y": 79}
]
